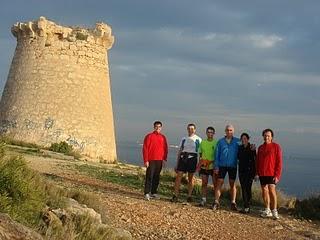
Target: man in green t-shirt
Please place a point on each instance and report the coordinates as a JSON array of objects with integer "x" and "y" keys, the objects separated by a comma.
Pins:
[{"x": 206, "y": 163}]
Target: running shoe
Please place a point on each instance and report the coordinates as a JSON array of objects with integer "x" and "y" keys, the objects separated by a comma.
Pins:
[
  {"x": 245, "y": 210},
  {"x": 155, "y": 196},
  {"x": 234, "y": 207},
  {"x": 215, "y": 206},
  {"x": 275, "y": 214},
  {"x": 203, "y": 202},
  {"x": 147, "y": 197},
  {"x": 266, "y": 213}
]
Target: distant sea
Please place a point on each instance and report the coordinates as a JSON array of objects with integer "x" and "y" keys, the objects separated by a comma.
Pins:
[{"x": 300, "y": 175}]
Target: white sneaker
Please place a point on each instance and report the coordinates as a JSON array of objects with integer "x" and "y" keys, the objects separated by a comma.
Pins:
[
  {"x": 147, "y": 197},
  {"x": 266, "y": 213},
  {"x": 155, "y": 196},
  {"x": 203, "y": 202},
  {"x": 275, "y": 214}
]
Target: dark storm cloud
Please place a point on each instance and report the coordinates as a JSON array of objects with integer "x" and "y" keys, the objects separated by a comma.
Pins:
[{"x": 221, "y": 60}]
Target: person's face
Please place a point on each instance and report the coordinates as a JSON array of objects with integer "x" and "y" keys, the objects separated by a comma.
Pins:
[
  {"x": 191, "y": 130},
  {"x": 244, "y": 140},
  {"x": 229, "y": 132},
  {"x": 157, "y": 127},
  {"x": 210, "y": 134},
  {"x": 267, "y": 137}
]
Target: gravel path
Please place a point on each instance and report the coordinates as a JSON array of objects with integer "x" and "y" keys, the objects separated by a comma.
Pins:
[{"x": 161, "y": 219}]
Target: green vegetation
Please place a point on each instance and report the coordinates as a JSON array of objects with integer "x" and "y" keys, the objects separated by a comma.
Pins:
[
  {"x": 308, "y": 208},
  {"x": 65, "y": 148},
  {"x": 133, "y": 180},
  {"x": 22, "y": 195},
  {"x": 11, "y": 141},
  {"x": 25, "y": 195},
  {"x": 62, "y": 147}
]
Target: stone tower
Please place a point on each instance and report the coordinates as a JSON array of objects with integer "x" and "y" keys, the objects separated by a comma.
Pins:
[{"x": 58, "y": 88}]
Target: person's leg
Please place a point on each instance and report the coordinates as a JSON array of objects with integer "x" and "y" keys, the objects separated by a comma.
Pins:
[
  {"x": 233, "y": 190},
  {"x": 217, "y": 192},
  {"x": 243, "y": 190},
  {"x": 204, "y": 185},
  {"x": 156, "y": 176},
  {"x": 249, "y": 190},
  {"x": 221, "y": 175},
  {"x": 177, "y": 183},
  {"x": 214, "y": 181},
  {"x": 273, "y": 201},
  {"x": 190, "y": 184},
  {"x": 265, "y": 196},
  {"x": 147, "y": 184},
  {"x": 232, "y": 178},
  {"x": 273, "y": 196}
]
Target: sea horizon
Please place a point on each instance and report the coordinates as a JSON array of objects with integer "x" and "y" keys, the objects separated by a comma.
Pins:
[{"x": 299, "y": 175}]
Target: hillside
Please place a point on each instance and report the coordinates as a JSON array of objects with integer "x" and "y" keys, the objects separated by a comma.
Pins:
[{"x": 124, "y": 206}]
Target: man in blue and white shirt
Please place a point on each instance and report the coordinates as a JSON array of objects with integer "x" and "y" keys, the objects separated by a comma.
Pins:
[{"x": 187, "y": 160}]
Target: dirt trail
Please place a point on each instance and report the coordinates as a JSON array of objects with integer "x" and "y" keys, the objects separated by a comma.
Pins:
[{"x": 161, "y": 219}]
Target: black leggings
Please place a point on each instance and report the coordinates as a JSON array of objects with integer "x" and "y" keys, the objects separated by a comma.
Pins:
[
  {"x": 246, "y": 184},
  {"x": 153, "y": 177}
]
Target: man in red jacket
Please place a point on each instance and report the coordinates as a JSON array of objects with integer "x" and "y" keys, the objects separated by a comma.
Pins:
[
  {"x": 155, "y": 151},
  {"x": 269, "y": 167}
]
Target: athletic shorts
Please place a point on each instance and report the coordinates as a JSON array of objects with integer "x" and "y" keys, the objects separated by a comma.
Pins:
[
  {"x": 232, "y": 172},
  {"x": 187, "y": 162},
  {"x": 265, "y": 180},
  {"x": 208, "y": 172}
]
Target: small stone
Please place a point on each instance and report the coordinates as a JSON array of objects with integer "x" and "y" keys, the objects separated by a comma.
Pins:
[{"x": 278, "y": 227}]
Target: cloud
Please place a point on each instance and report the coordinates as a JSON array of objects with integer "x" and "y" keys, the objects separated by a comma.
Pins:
[{"x": 253, "y": 64}]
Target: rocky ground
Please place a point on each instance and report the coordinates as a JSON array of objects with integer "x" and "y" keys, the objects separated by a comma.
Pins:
[{"x": 161, "y": 219}]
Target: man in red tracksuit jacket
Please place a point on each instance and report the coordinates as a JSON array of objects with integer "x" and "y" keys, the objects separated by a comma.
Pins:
[
  {"x": 155, "y": 151},
  {"x": 269, "y": 167}
]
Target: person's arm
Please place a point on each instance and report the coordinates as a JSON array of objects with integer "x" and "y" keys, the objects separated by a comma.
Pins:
[
  {"x": 217, "y": 158},
  {"x": 278, "y": 166},
  {"x": 165, "y": 148},
  {"x": 253, "y": 163},
  {"x": 145, "y": 151},
  {"x": 257, "y": 162},
  {"x": 179, "y": 154}
]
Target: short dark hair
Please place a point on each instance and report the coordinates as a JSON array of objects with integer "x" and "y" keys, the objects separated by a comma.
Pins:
[
  {"x": 245, "y": 134},
  {"x": 191, "y": 125},
  {"x": 157, "y": 123},
  {"x": 211, "y": 128},
  {"x": 267, "y": 130}
]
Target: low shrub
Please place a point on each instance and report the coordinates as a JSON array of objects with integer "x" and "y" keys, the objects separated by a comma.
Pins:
[
  {"x": 22, "y": 193},
  {"x": 308, "y": 208},
  {"x": 62, "y": 147},
  {"x": 65, "y": 148}
]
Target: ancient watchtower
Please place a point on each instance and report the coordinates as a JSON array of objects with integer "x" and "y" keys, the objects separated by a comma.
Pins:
[{"x": 58, "y": 88}]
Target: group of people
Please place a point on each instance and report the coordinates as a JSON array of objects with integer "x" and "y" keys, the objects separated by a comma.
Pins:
[{"x": 217, "y": 158}]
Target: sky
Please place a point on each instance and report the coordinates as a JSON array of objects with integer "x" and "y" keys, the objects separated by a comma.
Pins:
[{"x": 254, "y": 64}]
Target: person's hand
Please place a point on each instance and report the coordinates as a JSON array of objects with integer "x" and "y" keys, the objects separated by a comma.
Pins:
[
  {"x": 253, "y": 147},
  {"x": 275, "y": 180},
  {"x": 146, "y": 164},
  {"x": 256, "y": 178}
]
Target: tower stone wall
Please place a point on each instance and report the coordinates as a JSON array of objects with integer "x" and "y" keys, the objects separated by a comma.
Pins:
[{"x": 58, "y": 88}]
